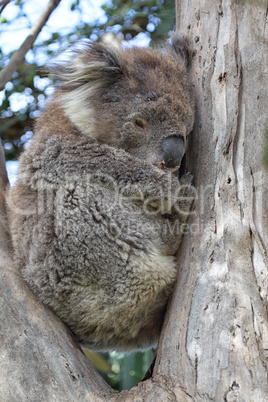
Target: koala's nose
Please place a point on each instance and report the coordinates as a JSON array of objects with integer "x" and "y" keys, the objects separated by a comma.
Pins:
[{"x": 172, "y": 151}]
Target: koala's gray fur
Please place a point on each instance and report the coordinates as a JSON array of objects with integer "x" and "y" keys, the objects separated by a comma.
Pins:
[{"x": 95, "y": 215}]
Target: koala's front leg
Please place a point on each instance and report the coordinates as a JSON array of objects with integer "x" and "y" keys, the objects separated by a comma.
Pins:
[
  {"x": 174, "y": 203},
  {"x": 174, "y": 226}
]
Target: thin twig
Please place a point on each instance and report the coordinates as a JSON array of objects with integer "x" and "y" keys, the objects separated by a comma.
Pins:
[
  {"x": 18, "y": 56},
  {"x": 4, "y": 182}
]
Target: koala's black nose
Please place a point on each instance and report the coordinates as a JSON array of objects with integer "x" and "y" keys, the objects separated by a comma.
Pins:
[{"x": 173, "y": 149}]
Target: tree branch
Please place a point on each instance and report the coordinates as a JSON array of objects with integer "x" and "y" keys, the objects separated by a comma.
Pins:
[
  {"x": 18, "y": 56},
  {"x": 4, "y": 182},
  {"x": 3, "y": 4}
]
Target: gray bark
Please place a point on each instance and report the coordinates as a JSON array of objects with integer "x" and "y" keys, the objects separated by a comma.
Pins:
[{"x": 215, "y": 339}]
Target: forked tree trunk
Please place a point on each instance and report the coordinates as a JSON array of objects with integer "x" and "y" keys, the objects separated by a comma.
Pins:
[{"x": 215, "y": 338}]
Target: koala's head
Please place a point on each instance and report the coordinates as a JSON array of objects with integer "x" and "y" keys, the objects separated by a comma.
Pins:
[{"x": 138, "y": 99}]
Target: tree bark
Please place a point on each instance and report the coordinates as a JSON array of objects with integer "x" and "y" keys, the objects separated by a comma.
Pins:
[
  {"x": 215, "y": 343},
  {"x": 215, "y": 339}
]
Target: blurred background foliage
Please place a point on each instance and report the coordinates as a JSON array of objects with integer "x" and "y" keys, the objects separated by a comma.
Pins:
[
  {"x": 131, "y": 21},
  {"x": 25, "y": 95},
  {"x": 121, "y": 370}
]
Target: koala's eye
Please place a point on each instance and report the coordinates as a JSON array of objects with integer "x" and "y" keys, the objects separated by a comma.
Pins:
[{"x": 140, "y": 125}]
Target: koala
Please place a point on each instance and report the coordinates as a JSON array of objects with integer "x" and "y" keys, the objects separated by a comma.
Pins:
[{"x": 97, "y": 213}]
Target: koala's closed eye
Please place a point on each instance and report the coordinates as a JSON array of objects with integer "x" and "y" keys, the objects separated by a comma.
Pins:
[
  {"x": 96, "y": 213},
  {"x": 140, "y": 125}
]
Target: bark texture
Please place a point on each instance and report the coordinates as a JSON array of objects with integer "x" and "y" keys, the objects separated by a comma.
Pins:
[{"x": 215, "y": 342}]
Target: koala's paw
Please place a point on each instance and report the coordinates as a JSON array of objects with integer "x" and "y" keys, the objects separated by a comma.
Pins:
[{"x": 187, "y": 178}]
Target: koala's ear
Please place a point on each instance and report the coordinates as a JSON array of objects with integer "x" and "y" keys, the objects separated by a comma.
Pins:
[
  {"x": 88, "y": 63},
  {"x": 181, "y": 47}
]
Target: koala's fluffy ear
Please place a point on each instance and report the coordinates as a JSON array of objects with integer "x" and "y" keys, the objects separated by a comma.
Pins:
[
  {"x": 181, "y": 47},
  {"x": 88, "y": 63},
  {"x": 89, "y": 67}
]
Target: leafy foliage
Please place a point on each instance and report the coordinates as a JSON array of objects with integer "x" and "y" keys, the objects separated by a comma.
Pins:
[{"x": 125, "y": 370}]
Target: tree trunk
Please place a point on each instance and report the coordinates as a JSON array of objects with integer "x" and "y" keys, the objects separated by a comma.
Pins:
[{"x": 215, "y": 339}]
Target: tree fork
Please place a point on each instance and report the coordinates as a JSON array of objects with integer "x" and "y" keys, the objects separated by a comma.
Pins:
[{"x": 214, "y": 341}]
